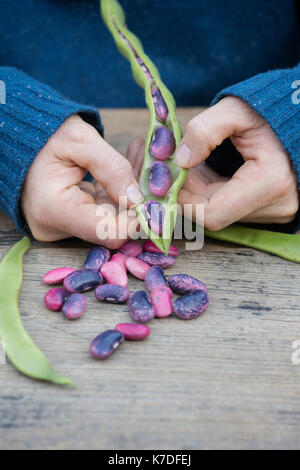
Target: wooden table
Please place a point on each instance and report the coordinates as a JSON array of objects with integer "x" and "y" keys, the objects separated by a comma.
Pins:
[{"x": 225, "y": 380}]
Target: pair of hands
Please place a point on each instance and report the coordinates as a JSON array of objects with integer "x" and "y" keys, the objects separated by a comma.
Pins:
[{"x": 57, "y": 204}]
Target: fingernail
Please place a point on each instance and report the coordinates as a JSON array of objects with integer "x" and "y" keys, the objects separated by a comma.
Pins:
[
  {"x": 134, "y": 194},
  {"x": 183, "y": 155}
]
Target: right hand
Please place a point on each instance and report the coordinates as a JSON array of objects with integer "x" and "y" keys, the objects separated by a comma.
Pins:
[{"x": 56, "y": 202}]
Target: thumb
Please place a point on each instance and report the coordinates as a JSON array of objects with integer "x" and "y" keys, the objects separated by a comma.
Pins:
[
  {"x": 107, "y": 166},
  {"x": 208, "y": 130}
]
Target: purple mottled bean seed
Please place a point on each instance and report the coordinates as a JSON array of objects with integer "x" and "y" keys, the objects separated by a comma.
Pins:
[
  {"x": 157, "y": 259},
  {"x": 112, "y": 293},
  {"x": 161, "y": 301},
  {"x": 131, "y": 249},
  {"x": 82, "y": 280},
  {"x": 161, "y": 109},
  {"x": 106, "y": 343},
  {"x": 54, "y": 298},
  {"x": 160, "y": 179},
  {"x": 114, "y": 273},
  {"x": 155, "y": 214},
  {"x": 152, "y": 248},
  {"x": 140, "y": 307},
  {"x": 185, "y": 284},
  {"x": 163, "y": 143},
  {"x": 191, "y": 305},
  {"x": 96, "y": 257},
  {"x": 137, "y": 267},
  {"x": 133, "y": 331},
  {"x": 155, "y": 278},
  {"x": 74, "y": 306},
  {"x": 57, "y": 275}
]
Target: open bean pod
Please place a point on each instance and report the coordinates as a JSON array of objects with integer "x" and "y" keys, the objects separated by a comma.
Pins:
[{"x": 164, "y": 133}]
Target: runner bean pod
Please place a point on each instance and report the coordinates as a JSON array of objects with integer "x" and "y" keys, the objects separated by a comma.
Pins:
[
  {"x": 164, "y": 133},
  {"x": 106, "y": 343},
  {"x": 74, "y": 306},
  {"x": 161, "y": 301},
  {"x": 112, "y": 293},
  {"x": 155, "y": 278},
  {"x": 22, "y": 352},
  {"x": 133, "y": 331},
  {"x": 140, "y": 307},
  {"x": 54, "y": 298},
  {"x": 191, "y": 305},
  {"x": 157, "y": 259},
  {"x": 96, "y": 257},
  {"x": 114, "y": 273},
  {"x": 82, "y": 280},
  {"x": 57, "y": 275},
  {"x": 185, "y": 284}
]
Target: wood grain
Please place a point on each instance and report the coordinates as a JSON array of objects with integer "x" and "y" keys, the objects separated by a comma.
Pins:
[{"x": 222, "y": 381}]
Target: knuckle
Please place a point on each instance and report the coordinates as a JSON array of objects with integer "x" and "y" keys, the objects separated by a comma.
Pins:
[
  {"x": 198, "y": 128},
  {"x": 119, "y": 168},
  {"x": 77, "y": 131}
]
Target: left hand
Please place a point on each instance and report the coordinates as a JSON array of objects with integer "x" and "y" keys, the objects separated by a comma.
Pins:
[{"x": 263, "y": 190}]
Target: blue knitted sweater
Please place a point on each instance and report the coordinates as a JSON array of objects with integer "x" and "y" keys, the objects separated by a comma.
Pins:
[{"x": 57, "y": 59}]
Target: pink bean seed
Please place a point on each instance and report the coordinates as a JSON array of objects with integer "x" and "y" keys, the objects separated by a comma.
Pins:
[
  {"x": 131, "y": 249},
  {"x": 133, "y": 331},
  {"x": 114, "y": 273},
  {"x": 137, "y": 267},
  {"x": 54, "y": 298},
  {"x": 152, "y": 248},
  {"x": 57, "y": 275},
  {"x": 161, "y": 301},
  {"x": 120, "y": 259}
]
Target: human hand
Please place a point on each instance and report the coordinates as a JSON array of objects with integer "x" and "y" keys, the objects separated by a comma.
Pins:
[
  {"x": 56, "y": 202},
  {"x": 263, "y": 190}
]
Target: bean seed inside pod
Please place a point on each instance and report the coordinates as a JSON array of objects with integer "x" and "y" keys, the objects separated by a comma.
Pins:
[
  {"x": 155, "y": 214},
  {"x": 74, "y": 306},
  {"x": 106, "y": 343},
  {"x": 161, "y": 109},
  {"x": 133, "y": 331},
  {"x": 161, "y": 301},
  {"x": 96, "y": 257},
  {"x": 140, "y": 307},
  {"x": 185, "y": 284},
  {"x": 155, "y": 278},
  {"x": 163, "y": 143},
  {"x": 82, "y": 280},
  {"x": 157, "y": 259},
  {"x": 160, "y": 179},
  {"x": 191, "y": 305},
  {"x": 57, "y": 275},
  {"x": 152, "y": 248},
  {"x": 112, "y": 293},
  {"x": 54, "y": 298},
  {"x": 131, "y": 249}
]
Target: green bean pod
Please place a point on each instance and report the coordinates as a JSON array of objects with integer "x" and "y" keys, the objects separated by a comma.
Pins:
[
  {"x": 147, "y": 76},
  {"x": 284, "y": 245},
  {"x": 19, "y": 347}
]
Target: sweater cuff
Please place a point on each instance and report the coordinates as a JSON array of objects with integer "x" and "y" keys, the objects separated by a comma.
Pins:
[
  {"x": 275, "y": 97},
  {"x": 31, "y": 114}
]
